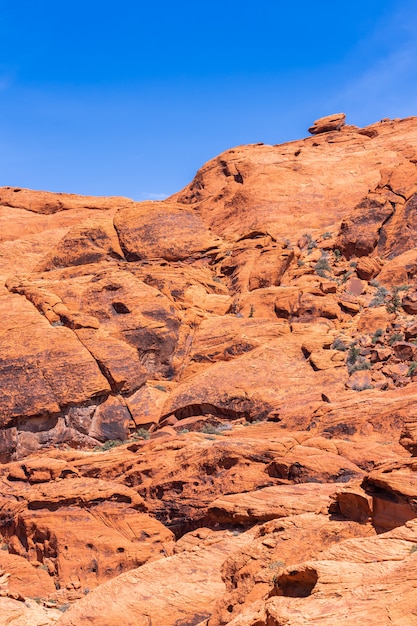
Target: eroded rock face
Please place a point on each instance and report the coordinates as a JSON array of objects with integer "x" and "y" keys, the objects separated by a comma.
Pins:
[
  {"x": 43, "y": 369},
  {"x": 129, "y": 290},
  {"x": 251, "y": 573},
  {"x": 351, "y": 580},
  {"x": 145, "y": 595},
  {"x": 162, "y": 231},
  {"x": 259, "y": 329}
]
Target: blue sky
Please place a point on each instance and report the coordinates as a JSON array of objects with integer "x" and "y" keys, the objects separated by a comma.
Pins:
[{"x": 131, "y": 97}]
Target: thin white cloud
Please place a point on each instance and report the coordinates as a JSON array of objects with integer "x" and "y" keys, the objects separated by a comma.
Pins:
[
  {"x": 387, "y": 73},
  {"x": 153, "y": 196},
  {"x": 387, "y": 86}
]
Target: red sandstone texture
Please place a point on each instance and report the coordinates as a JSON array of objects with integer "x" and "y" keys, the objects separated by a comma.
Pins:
[{"x": 208, "y": 405}]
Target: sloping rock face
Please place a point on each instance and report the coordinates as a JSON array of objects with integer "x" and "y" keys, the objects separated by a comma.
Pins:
[
  {"x": 208, "y": 405},
  {"x": 345, "y": 585}
]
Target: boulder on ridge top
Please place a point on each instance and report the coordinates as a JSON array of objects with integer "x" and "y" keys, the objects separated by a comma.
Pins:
[{"x": 328, "y": 123}]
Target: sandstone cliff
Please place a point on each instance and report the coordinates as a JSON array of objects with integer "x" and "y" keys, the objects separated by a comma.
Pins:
[{"x": 208, "y": 405}]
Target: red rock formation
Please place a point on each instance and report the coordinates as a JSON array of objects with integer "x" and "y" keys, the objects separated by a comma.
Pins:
[
  {"x": 259, "y": 327},
  {"x": 328, "y": 123}
]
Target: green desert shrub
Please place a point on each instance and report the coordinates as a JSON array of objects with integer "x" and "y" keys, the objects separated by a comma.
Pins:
[
  {"x": 360, "y": 364},
  {"x": 355, "y": 362},
  {"x": 311, "y": 243},
  {"x": 361, "y": 387},
  {"x": 108, "y": 445},
  {"x": 353, "y": 353},
  {"x": 338, "y": 344},
  {"x": 394, "y": 302},
  {"x": 377, "y": 335},
  {"x": 395, "y": 337},
  {"x": 322, "y": 267},
  {"x": 209, "y": 429},
  {"x": 412, "y": 368},
  {"x": 141, "y": 433},
  {"x": 380, "y": 297}
]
